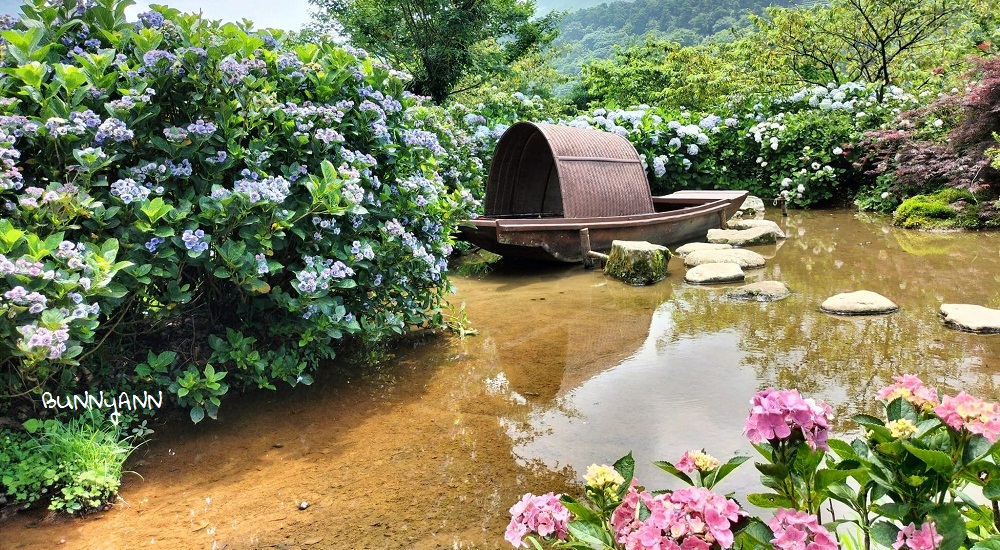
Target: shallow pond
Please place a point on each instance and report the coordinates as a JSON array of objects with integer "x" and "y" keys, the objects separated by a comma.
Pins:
[{"x": 568, "y": 368}]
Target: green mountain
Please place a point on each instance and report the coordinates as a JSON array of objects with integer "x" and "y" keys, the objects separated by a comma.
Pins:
[
  {"x": 593, "y": 32},
  {"x": 545, "y": 6}
]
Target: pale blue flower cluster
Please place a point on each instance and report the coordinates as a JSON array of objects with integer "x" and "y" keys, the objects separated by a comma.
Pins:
[
  {"x": 114, "y": 130},
  {"x": 423, "y": 138},
  {"x": 274, "y": 189},
  {"x": 194, "y": 240},
  {"x": 128, "y": 190}
]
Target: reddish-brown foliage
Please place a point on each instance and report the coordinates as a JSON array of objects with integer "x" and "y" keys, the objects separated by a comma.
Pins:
[{"x": 919, "y": 166}]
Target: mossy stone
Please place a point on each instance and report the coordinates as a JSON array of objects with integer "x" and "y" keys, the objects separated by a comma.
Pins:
[
  {"x": 947, "y": 209},
  {"x": 637, "y": 262}
]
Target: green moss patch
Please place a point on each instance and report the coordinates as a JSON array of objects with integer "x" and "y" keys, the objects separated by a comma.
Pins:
[{"x": 946, "y": 209}]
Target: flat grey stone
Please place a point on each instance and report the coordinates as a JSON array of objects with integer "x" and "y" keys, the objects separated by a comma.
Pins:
[
  {"x": 861, "y": 302},
  {"x": 750, "y": 224},
  {"x": 742, "y": 237},
  {"x": 971, "y": 318},
  {"x": 752, "y": 207},
  {"x": 706, "y": 274},
  {"x": 688, "y": 248},
  {"x": 747, "y": 259},
  {"x": 763, "y": 291}
]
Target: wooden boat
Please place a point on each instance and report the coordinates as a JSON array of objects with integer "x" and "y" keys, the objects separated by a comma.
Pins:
[{"x": 555, "y": 191}]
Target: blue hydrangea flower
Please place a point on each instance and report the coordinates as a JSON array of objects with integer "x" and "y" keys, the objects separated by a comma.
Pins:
[{"x": 194, "y": 240}]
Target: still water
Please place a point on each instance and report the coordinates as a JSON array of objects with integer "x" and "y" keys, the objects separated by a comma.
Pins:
[{"x": 568, "y": 368}]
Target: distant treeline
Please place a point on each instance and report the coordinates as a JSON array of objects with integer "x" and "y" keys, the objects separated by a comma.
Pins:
[{"x": 593, "y": 32}]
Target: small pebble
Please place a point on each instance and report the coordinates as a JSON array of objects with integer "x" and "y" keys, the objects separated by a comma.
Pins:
[
  {"x": 303, "y": 505},
  {"x": 278, "y": 445}
]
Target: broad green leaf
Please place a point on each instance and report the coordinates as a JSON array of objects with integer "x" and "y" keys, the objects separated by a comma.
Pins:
[
  {"x": 756, "y": 534},
  {"x": 936, "y": 460},
  {"x": 884, "y": 533},
  {"x": 769, "y": 500},
  {"x": 900, "y": 408},
  {"x": 672, "y": 470},
  {"x": 197, "y": 414},
  {"x": 590, "y": 534},
  {"x": 579, "y": 511},
  {"x": 950, "y": 525},
  {"x": 992, "y": 543},
  {"x": 626, "y": 467}
]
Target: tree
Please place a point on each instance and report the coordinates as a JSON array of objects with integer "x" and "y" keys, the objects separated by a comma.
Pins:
[
  {"x": 852, "y": 40},
  {"x": 664, "y": 73},
  {"x": 441, "y": 42}
]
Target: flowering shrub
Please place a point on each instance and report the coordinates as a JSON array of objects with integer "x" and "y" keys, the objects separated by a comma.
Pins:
[
  {"x": 903, "y": 480},
  {"x": 799, "y": 146},
  {"x": 169, "y": 183},
  {"x": 794, "y": 529},
  {"x": 944, "y": 144},
  {"x": 543, "y": 515}
]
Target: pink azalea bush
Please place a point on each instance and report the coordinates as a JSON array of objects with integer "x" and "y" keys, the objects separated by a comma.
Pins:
[
  {"x": 911, "y": 389},
  {"x": 970, "y": 413},
  {"x": 689, "y": 518},
  {"x": 777, "y": 414},
  {"x": 542, "y": 514},
  {"x": 925, "y": 538},
  {"x": 796, "y": 530}
]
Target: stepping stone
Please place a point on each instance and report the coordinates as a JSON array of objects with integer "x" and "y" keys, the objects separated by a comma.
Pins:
[
  {"x": 752, "y": 207},
  {"x": 862, "y": 302},
  {"x": 742, "y": 237},
  {"x": 763, "y": 291},
  {"x": 714, "y": 273},
  {"x": 750, "y": 224},
  {"x": 637, "y": 262},
  {"x": 688, "y": 248},
  {"x": 971, "y": 318},
  {"x": 747, "y": 259}
]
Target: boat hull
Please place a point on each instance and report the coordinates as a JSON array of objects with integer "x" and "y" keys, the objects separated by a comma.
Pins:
[{"x": 681, "y": 217}]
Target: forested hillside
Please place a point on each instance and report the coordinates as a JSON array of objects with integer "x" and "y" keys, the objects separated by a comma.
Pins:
[
  {"x": 545, "y": 6},
  {"x": 592, "y": 33}
]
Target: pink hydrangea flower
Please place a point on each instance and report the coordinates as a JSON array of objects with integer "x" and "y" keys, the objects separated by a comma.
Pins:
[
  {"x": 542, "y": 514},
  {"x": 776, "y": 414},
  {"x": 693, "y": 518},
  {"x": 925, "y": 538},
  {"x": 796, "y": 530},
  {"x": 973, "y": 414},
  {"x": 626, "y": 512},
  {"x": 912, "y": 389},
  {"x": 697, "y": 460}
]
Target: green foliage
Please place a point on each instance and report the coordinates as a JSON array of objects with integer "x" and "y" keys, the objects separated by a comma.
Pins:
[
  {"x": 994, "y": 153},
  {"x": 593, "y": 34},
  {"x": 665, "y": 74},
  {"x": 76, "y": 465},
  {"x": 798, "y": 146},
  {"x": 903, "y": 480},
  {"x": 169, "y": 184},
  {"x": 444, "y": 41},
  {"x": 877, "y": 197},
  {"x": 937, "y": 211},
  {"x": 878, "y": 41}
]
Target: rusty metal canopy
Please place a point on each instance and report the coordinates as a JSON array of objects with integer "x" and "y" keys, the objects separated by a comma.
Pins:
[{"x": 545, "y": 170}]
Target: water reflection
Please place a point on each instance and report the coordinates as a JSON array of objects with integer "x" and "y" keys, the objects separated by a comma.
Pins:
[{"x": 687, "y": 361}]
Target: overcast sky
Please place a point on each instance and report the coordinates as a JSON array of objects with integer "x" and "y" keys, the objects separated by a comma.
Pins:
[{"x": 279, "y": 14}]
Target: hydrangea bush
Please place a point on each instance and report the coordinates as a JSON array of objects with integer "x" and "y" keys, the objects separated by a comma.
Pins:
[
  {"x": 904, "y": 483},
  {"x": 185, "y": 202},
  {"x": 800, "y": 147}
]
